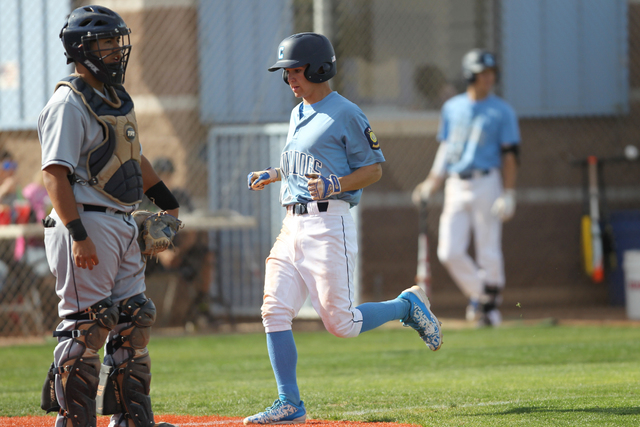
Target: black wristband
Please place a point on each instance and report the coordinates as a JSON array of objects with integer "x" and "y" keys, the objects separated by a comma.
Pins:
[
  {"x": 162, "y": 197},
  {"x": 77, "y": 231}
]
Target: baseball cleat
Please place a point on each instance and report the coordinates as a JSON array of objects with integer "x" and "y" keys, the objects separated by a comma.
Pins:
[
  {"x": 473, "y": 311},
  {"x": 421, "y": 318},
  {"x": 281, "y": 412},
  {"x": 491, "y": 318}
]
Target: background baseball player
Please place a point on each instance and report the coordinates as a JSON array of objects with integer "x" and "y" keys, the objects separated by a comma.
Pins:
[
  {"x": 479, "y": 147},
  {"x": 95, "y": 175},
  {"x": 330, "y": 155}
]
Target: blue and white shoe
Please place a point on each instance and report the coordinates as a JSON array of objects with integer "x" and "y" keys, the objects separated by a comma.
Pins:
[
  {"x": 421, "y": 318},
  {"x": 473, "y": 311},
  {"x": 281, "y": 412}
]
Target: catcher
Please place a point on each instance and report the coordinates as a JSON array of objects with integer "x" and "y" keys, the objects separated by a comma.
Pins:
[{"x": 95, "y": 175}]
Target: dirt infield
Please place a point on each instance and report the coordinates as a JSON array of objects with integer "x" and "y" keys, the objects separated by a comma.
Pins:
[{"x": 185, "y": 420}]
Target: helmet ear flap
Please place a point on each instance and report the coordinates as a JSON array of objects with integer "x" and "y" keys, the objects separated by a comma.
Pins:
[{"x": 285, "y": 76}]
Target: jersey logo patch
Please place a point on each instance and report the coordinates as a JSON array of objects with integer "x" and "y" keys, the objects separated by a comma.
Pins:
[{"x": 373, "y": 140}]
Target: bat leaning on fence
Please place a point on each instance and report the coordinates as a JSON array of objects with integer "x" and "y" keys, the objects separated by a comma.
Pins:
[
  {"x": 595, "y": 234},
  {"x": 423, "y": 275}
]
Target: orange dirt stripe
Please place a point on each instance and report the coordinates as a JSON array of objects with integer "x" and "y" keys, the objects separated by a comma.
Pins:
[{"x": 184, "y": 421}]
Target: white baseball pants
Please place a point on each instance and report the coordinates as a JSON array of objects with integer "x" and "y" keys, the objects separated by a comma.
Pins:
[
  {"x": 315, "y": 256},
  {"x": 467, "y": 209}
]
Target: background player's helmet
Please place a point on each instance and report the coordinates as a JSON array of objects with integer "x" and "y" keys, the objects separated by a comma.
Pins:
[
  {"x": 163, "y": 165},
  {"x": 311, "y": 49},
  {"x": 90, "y": 23},
  {"x": 476, "y": 61}
]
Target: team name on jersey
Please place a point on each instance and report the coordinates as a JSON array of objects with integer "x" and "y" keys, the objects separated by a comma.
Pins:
[{"x": 298, "y": 163}]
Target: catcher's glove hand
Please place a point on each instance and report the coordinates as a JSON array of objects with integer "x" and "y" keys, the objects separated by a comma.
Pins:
[{"x": 155, "y": 231}]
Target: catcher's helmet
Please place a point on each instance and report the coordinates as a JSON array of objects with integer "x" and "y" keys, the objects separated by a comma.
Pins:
[
  {"x": 88, "y": 24},
  {"x": 476, "y": 61},
  {"x": 310, "y": 49}
]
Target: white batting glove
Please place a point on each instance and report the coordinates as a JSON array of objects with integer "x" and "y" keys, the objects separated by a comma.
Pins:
[
  {"x": 258, "y": 180},
  {"x": 505, "y": 206},
  {"x": 321, "y": 187},
  {"x": 422, "y": 192}
]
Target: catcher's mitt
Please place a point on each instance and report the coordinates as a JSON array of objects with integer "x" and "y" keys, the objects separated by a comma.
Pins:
[{"x": 156, "y": 231}]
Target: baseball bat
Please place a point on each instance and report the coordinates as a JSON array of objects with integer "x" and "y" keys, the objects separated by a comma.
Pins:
[
  {"x": 608, "y": 238},
  {"x": 423, "y": 275},
  {"x": 585, "y": 225},
  {"x": 597, "y": 274}
]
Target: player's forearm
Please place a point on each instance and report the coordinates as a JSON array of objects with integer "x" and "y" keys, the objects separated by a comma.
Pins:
[
  {"x": 149, "y": 179},
  {"x": 509, "y": 171},
  {"x": 361, "y": 178},
  {"x": 60, "y": 192},
  {"x": 149, "y": 175}
]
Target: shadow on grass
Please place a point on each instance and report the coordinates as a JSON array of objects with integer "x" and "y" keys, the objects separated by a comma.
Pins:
[
  {"x": 596, "y": 410},
  {"x": 381, "y": 420}
]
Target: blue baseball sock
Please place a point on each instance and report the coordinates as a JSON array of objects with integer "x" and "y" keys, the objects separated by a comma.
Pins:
[
  {"x": 375, "y": 314},
  {"x": 284, "y": 358}
]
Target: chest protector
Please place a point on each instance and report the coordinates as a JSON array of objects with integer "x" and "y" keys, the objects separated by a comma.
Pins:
[{"x": 114, "y": 165}]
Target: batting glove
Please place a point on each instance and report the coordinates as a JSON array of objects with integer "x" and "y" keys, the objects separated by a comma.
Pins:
[
  {"x": 422, "y": 192},
  {"x": 258, "y": 180},
  {"x": 505, "y": 206},
  {"x": 321, "y": 188}
]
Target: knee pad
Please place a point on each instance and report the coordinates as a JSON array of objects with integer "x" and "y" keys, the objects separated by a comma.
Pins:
[
  {"x": 98, "y": 330},
  {"x": 141, "y": 312},
  {"x": 97, "y": 321}
]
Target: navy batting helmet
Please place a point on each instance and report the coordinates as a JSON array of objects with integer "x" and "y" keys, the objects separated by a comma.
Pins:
[
  {"x": 88, "y": 24},
  {"x": 476, "y": 61},
  {"x": 310, "y": 49}
]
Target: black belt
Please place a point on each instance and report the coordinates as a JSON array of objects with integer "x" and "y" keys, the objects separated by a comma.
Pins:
[
  {"x": 94, "y": 208},
  {"x": 301, "y": 208},
  {"x": 469, "y": 174}
]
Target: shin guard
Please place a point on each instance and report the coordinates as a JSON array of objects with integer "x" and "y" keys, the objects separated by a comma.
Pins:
[
  {"x": 135, "y": 384},
  {"x": 49, "y": 402},
  {"x": 80, "y": 383},
  {"x": 125, "y": 386}
]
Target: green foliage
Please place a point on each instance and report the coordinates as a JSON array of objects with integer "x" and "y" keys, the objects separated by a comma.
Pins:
[{"x": 525, "y": 376}]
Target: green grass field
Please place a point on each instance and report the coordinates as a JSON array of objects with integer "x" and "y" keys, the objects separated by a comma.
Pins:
[{"x": 519, "y": 376}]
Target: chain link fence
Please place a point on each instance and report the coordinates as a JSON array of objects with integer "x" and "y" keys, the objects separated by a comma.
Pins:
[{"x": 571, "y": 69}]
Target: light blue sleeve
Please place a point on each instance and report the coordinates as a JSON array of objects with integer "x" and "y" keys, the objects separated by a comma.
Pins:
[
  {"x": 510, "y": 134},
  {"x": 362, "y": 146},
  {"x": 443, "y": 125}
]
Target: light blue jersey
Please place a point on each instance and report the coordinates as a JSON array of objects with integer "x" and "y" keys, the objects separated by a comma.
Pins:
[
  {"x": 475, "y": 132},
  {"x": 332, "y": 136}
]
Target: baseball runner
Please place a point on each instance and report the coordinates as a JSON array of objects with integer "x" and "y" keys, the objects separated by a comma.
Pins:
[
  {"x": 330, "y": 155},
  {"x": 95, "y": 175},
  {"x": 479, "y": 148}
]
